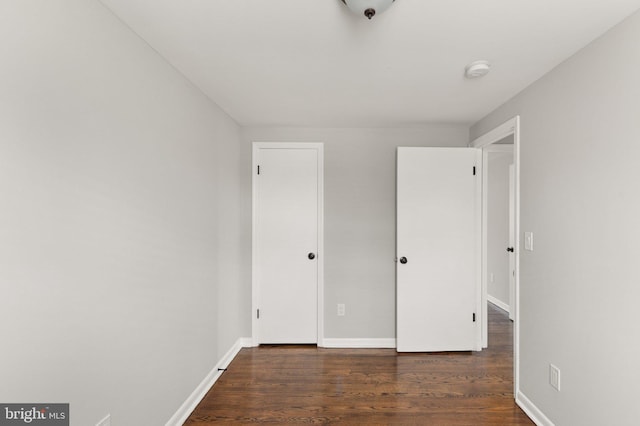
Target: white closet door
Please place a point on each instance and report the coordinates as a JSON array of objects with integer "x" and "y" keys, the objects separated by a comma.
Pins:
[
  {"x": 286, "y": 256},
  {"x": 438, "y": 216}
]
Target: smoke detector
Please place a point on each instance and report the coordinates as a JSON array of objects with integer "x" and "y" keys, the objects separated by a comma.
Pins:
[{"x": 477, "y": 69}]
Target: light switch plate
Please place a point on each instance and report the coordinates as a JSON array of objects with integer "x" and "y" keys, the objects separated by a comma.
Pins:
[
  {"x": 554, "y": 377},
  {"x": 528, "y": 241}
]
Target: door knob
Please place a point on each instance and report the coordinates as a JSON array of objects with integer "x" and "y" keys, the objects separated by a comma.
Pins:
[
  {"x": 403, "y": 260},
  {"x": 311, "y": 256},
  {"x": 510, "y": 249}
]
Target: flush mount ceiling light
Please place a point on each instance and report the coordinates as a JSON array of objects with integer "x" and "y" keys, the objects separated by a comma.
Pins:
[
  {"x": 477, "y": 69},
  {"x": 368, "y": 8}
]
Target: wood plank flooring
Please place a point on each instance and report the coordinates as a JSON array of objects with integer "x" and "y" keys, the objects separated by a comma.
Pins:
[{"x": 305, "y": 384}]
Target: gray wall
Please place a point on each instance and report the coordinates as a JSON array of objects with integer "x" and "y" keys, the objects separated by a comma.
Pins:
[
  {"x": 360, "y": 167},
  {"x": 120, "y": 191},
  {"x": 580, "y": 193}
]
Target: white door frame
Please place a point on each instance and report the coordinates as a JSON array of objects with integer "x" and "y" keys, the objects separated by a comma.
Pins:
[
  {"x": 510, "y": 127},
  {"x": 255, "y": 288}
]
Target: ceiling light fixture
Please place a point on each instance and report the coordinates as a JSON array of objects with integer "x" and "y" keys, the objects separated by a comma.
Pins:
[
  {"x": 368, "y": 8},
  {"x": 477, "y": 69}
]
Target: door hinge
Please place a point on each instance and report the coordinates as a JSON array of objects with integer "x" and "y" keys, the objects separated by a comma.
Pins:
[
  {"x": 258, "y": 169},
  {"x": 474, "y": 170},
  {"x": 474, "y": 317},
  {"x": 258, "y": 313}
]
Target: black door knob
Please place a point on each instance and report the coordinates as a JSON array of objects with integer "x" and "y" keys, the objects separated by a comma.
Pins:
[
  {"x": 311, "y": 256},
  {"x": 403, "y": 260},
  {"x": 510, "y": 249}
]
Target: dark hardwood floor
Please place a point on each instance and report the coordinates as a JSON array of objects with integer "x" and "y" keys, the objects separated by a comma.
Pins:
[{"x": 305, "y": 384}]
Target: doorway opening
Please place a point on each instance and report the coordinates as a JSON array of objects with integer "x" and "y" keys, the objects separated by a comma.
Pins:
[
  {"x": 502, "y": 139},
  {"x": 498, "y": 248}
]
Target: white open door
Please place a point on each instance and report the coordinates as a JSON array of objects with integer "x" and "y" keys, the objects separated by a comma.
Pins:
[
  {"x": 438, "y": 225},
  {"x": 512, "y": 242},
  {"x": 287, "y": 225}
]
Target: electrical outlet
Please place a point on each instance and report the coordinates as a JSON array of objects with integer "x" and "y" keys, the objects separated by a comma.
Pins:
[
  {"x": 491, "y": 277},
  {"x": 105, "y": 422},
  {"x": 341, "y": 309},
  {"x": 554, "y": 377}
]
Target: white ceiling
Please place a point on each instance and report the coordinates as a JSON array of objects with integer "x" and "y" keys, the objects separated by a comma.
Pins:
[{"x": 314, "y": 63}]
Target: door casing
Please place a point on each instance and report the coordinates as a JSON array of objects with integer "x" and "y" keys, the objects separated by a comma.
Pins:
[{"x": 510, "y": 127}]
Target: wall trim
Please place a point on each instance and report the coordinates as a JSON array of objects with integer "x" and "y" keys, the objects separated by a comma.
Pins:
[
  {"x": 532, "y": 411},
  {"x": 511, "y": 126},
  {"x": 246, "y": 342},
  {"x": 359, "y": 343},
  {"x": 185, "y": 410},
  {"x": 502, "y": 131},
  {"x": 499, "y": 303}
]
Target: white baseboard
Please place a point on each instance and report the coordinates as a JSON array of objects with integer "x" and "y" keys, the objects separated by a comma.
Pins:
[
  {"x": 532, "y": 411},
  {"x": 359, "y": 343},
  {"x": 196, "y": 396},
  {"x": 499, "y": 303},
  {"x": 246, "y": 342}
]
